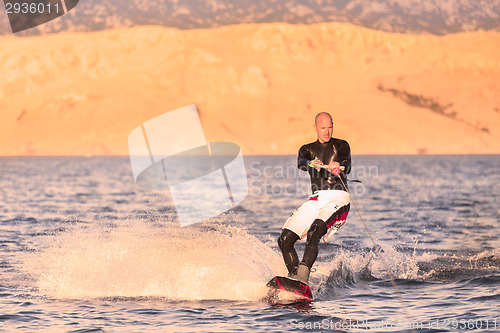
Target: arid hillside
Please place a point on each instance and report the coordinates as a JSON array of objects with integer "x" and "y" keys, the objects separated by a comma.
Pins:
[{"x": 256, "y": 85}]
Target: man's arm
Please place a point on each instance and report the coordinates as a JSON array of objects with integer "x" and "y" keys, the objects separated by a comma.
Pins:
[
  {"x": 303, "y": 159},
  {"x": 344, "y": 156}
]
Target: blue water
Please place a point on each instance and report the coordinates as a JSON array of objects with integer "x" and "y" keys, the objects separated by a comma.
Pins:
[{"x": 83, "y": 249}]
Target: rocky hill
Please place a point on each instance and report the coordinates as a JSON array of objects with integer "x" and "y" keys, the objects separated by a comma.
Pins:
[
  {"x": 257, "y": 85},
  {"x": 405, "y": 16}
]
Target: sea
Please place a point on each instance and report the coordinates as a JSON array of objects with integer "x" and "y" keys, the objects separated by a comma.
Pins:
[{"x": 84, "y": 249}]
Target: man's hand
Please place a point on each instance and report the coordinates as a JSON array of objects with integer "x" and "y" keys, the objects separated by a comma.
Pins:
[
  {"x": 316, "y": 163},
  {"x": 334, "y": 168}
]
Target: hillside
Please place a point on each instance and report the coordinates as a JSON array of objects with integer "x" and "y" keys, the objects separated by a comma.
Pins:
[
  {"x": 423, "y": 16},
  {"x": 257, "y": 85}
]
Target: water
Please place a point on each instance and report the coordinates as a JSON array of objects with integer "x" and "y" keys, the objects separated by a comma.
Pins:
[{"x": 83, "y": 249}]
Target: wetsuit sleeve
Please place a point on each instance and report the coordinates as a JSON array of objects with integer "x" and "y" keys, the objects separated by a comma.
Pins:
[
  {"x": 344, "y": 156},
  {"x": 304, "y": 158}
]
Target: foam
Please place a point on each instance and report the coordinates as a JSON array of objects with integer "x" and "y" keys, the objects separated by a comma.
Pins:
[{"x": 137, "y": 260}]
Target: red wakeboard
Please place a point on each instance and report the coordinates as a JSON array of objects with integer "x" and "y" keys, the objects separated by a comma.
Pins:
[{"x": 283, "y": 290}]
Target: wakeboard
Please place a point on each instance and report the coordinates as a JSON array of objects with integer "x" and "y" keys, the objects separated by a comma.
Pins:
[{"x": 283, "y": 290}]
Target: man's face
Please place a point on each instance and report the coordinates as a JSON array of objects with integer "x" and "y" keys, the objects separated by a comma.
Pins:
[{"x": 324, "y": 128}]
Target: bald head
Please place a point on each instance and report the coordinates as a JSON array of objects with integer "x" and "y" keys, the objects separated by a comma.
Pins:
[
  {"x": 323, "y": 124},
  {"x": 322, "y": 115}
]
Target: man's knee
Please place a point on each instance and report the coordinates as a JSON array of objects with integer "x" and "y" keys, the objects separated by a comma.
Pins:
[
  {"x": 318, "y": 228},
  {"x": 287, "y": 239}
]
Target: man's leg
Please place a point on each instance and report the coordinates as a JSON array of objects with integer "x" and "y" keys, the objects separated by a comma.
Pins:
[
  {"x": 317, "y": 230},
  {"x": 286, "y": 242},
  {"x": 294, "y": 229},
  {"x": 332, "y": 217}
]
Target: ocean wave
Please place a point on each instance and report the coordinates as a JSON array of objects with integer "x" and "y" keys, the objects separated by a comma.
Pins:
[{"x": 349, "y": 268}]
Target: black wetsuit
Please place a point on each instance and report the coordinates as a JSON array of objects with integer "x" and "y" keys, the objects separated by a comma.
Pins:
[{"x": 336, "y": 150}]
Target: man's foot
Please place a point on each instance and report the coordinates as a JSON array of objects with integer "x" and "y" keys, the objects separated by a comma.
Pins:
[{"x": 302, "y": 274}]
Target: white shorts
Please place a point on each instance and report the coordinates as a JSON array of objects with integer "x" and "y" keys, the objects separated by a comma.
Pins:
[{"x": 331, "y": 206}]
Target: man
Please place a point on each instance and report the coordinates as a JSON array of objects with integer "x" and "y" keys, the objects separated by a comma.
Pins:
[{"x": 328, "y": 161}]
